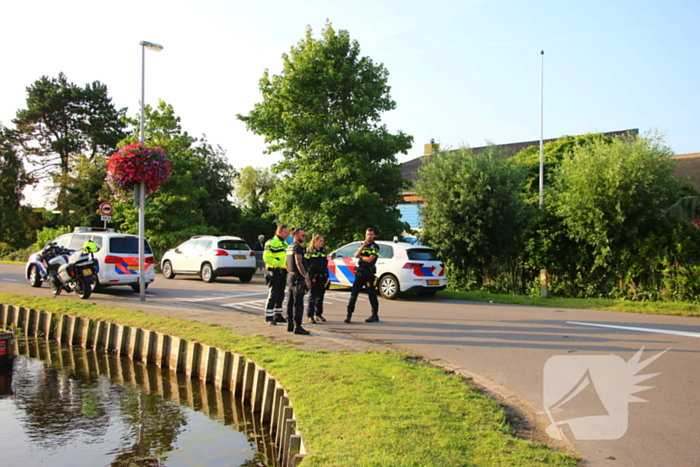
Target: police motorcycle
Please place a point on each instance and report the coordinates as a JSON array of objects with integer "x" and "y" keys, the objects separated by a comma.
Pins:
[{"x": 67, "y": 270}]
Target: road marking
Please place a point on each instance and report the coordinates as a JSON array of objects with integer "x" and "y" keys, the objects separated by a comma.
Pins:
[
  {"x": 10, "y": 280},
  {"x": 257, "y": 305},
  {"x": 633, "y": 328},
  {"x": 260, "y": 304},
  {"x": 220, "y": 296}
]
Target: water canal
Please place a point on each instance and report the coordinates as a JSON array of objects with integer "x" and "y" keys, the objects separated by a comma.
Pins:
[{"x": 63, "y": 405}]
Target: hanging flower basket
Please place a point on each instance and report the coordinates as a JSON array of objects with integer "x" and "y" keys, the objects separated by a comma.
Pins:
[{"x": 134, "y": 164}]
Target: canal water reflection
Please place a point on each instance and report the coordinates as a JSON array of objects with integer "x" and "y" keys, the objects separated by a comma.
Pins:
[{"x": 62, "y": 405}]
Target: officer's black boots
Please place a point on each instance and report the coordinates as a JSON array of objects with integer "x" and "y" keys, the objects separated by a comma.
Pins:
[
  {"x": 312, "y": 320},
  {"x": 279, "y": 318},
  {"x": 374, "y": 318},
  {"x": 348, "y": 318},
  {"x": 299, "y": 330},
  {"x": 271, "y": 321},
  {"x": 290, "y": 326},
  {"x": 320, "y": 319}
]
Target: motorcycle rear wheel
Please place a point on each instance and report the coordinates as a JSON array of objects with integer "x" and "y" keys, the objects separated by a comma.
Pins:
[{"x": 82, "y": 288}]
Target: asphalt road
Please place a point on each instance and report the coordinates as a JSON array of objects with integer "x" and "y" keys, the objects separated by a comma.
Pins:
[{"x": 579, "y": 364}]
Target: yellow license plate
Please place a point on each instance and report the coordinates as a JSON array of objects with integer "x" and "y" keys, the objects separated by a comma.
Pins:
[
  {"x": 433, "y": 282},
  {"x": 239, "y": 257},
  {"x": 87, "y": 271}
]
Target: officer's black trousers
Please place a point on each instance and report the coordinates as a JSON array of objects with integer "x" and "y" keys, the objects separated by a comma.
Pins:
[
  {"x": 277, "y": 279},
  {"x": 363, "y": 279},
  {"x": 318, "y": 290},
  {"x": 296, "y": 286}
]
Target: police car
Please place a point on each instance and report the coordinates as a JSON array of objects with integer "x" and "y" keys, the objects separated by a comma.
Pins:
[
  {"x": 401, "y": 267},
  {"x": 118, "y": 257}
]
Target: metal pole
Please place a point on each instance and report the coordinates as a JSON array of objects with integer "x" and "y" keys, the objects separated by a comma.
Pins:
[
  {"x": 541, "y": 128},
  {"x": 142, "y": 187}
]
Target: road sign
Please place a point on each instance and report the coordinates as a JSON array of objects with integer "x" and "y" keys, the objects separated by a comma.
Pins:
[{"x": 106, "y": 209}]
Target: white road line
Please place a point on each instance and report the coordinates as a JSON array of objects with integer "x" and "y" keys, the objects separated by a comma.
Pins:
[
  {"x": 257, "y": 305},
  {"x": 208, "y": 298},
  {"x": 633, "y": 328},
  {"x": 10, "y": 280}
]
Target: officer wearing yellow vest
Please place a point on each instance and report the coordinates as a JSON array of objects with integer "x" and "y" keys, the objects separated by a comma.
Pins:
[{"x": 274, "y": 256}]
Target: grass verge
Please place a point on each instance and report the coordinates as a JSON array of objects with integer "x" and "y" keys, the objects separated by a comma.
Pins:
[
  {"x": 365, "y": 409},
  {"x": 627, "y": 306}
]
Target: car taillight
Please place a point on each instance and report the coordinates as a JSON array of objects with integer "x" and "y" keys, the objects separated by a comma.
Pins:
[
  {"x": 412, "y": 265},
  {"x": 113, "y": 259},
  {"x": 252, "y": 253},
  {"x": 149, "y": 260},
  {"x": 3, "y": 348},
  {"x": 220, "y": 253}
]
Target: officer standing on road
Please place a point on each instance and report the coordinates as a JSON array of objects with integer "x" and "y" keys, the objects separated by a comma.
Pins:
[
  {"x": 297, "y": 283},
  {"x": 317, "y": 256},
  {"x": 367, "y": 256},
  {"x": 276, "y": 277}
]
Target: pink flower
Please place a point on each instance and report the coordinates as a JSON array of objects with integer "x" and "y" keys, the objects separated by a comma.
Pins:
[{"x": 134, "y": 164}]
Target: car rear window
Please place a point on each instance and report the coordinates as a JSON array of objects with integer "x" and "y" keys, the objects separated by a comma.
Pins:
[
  {"x": 422, "y": 254},
  {"x": 127, "y": 246},
  {"x": 233, "y": 245}
]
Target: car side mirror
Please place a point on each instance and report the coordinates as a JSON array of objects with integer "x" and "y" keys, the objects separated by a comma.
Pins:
[
  {"x": 333, "y": 255},
  {"x": 177, "y": 250}
]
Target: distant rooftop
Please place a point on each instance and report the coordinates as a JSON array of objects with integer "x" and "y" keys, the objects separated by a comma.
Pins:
[
  {"x": 688, "y": 168},
  {"x": 409, "y": 169}
]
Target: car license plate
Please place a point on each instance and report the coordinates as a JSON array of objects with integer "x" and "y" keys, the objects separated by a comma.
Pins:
[
  {"x": 433, "y": 282},
  {"x": 87, "y": 272},
  {"x": 238, "y": 256}
]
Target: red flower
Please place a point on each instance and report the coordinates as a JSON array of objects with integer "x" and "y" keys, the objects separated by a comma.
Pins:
[{"x": 134, "y": 164}]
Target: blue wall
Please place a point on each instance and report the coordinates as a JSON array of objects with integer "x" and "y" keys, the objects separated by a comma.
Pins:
[{"x": 410, "y": 213}]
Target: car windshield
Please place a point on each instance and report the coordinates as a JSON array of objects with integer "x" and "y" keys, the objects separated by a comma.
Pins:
[
  {"x": 422, "y": 254},
  {"x": 233, "y": 245},
  {"x": 127, "y": 246}
]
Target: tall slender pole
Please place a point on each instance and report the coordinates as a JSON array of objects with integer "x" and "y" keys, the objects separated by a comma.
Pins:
[
  {"x": 142, "y": 186},
  {"x": 541, "y": 128}
]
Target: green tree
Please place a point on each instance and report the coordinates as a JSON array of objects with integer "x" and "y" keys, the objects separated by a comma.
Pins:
[
  {"x": 339, "y": 173},
  {"x": 553, "y": 152},
  {"x": 195, "y": 199},
  {"x": 256, "y": 220},
  {"x": 253, "y": 185},
  {"x": 608, "y": 193},
  {"x": 62, "y": 120},
  {"x": 473, "y": 213},
  {"x": 84, "y": 188},
  {"x": 14, "y": 230}
]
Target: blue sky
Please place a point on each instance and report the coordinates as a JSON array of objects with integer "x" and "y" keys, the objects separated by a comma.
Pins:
[{"x": 461, "y": 72}]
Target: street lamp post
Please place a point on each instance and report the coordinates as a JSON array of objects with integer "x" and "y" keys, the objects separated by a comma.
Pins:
[
  {"x": 541, "y": 128},
  {"x": 142, "y": 186}
]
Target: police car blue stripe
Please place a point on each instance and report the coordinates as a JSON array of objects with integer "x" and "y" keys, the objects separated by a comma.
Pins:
[
  {"x": 426, "y": 272},
  {"x": 347, "y": 272}
]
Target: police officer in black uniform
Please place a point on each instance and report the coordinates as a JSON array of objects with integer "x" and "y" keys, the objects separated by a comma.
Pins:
[
  {"x": 317, "y": 258},
  {"x": 297, "y": 283},
  {"x": 367, "y": 256}
]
